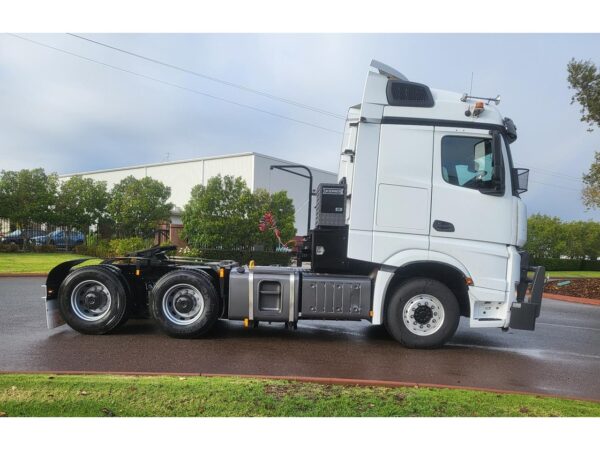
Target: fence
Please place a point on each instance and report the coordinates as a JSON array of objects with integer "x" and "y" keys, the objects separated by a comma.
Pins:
[{"x": 39, "y": 236}]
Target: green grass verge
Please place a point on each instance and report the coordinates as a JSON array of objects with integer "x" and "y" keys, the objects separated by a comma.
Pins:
[
  {"x": 108, "y": 395},
  {"x": 35, "y": 262},
  {"x": 574, "y": 274}
]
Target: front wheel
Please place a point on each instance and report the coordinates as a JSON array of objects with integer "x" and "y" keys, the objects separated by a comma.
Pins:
[
  {"x": 422, "y": 313},
  {"x": 185, "y": 303}
]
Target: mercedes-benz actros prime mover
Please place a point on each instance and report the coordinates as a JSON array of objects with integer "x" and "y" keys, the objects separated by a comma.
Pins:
[{"x": 425, "y": 225}]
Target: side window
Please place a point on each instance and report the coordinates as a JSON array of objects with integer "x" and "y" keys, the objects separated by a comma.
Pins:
[{"x": 470, "y": 162}]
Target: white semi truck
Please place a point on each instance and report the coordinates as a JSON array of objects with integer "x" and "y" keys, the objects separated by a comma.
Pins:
[{"x": 425, "y": 225}]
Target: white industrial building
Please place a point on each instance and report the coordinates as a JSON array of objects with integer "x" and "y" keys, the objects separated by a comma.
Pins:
[{"x": 254, "y": 169}]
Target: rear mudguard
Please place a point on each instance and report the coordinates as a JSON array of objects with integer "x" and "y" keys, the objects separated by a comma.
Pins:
[{"x": 57, "y": 275}]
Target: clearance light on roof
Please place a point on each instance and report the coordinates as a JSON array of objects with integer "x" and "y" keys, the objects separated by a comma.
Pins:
[{"x": 478, "y": 109}]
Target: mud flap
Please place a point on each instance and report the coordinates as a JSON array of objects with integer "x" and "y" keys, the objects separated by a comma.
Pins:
[
  {"x": 53, "y": 317},
  {"x": 53, "y": 282},
  {"x": 524, "y": 312}
]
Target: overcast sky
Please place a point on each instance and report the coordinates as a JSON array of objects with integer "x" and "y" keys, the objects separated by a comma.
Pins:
[{"x": 66, "y": 114}]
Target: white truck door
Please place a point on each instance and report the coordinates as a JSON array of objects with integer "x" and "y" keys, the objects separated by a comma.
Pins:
[
  {"x": 470, "y": 214},
  {"x": 403, "y": 190}
]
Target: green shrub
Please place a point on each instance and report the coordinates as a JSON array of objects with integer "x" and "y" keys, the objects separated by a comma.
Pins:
[
  {"x": 120, "y": 247},
  {"x": 44, "y": 248},
  {"x": 9, "y": 248},
  {"x": 559, "y": 264},
  {"x": 99, "y": 249}
]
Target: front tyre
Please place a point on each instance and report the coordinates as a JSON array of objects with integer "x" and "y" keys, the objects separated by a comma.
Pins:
[
  {"x": 422, "y": 313},
  {"x": 92, "y": 300},
  {"x": 185, "y": 303}
]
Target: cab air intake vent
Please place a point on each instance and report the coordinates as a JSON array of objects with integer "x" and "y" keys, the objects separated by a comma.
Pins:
[{"x": 405, "y": 93}]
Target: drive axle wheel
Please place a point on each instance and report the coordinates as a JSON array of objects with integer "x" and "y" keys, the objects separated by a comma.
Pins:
[
  {"x": 185, "y": 303},
  {"x": 422, "y": 313},
  {"x": 92, "y": 300}
]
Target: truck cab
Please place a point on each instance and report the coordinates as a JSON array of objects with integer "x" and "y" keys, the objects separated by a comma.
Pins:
[{"x": 431, "y": 189}]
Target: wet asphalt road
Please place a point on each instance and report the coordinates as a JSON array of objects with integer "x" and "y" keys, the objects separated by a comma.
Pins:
[{"x": 562, "y": 357}]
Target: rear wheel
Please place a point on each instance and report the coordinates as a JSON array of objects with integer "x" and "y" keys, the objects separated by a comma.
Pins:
[
  {"x": 185, "y": 303},
  {"x": 422, "y": 313},
  {"x": 92, "y": 300}
]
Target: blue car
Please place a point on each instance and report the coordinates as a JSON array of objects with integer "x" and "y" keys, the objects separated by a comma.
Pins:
[{"x": 60, "y": 238}]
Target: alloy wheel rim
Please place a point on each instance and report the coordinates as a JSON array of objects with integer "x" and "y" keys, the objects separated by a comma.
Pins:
[
  {"x": 423, "y": 315},
  {"x": 183, "y": 304}
]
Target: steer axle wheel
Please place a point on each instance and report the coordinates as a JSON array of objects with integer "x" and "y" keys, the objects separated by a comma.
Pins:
[
  {"x": 185, "y": 303},
  {"x": 422, "y": 313},
  {"x": 92, "y": 300}
]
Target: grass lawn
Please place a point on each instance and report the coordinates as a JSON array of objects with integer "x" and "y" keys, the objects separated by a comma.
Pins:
[
  {"x": 35, "y": 262},
  {"x": 574, "y": 274},
  {"x": 109, "y": 395}
]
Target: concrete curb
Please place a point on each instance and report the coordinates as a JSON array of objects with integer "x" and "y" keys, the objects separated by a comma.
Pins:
[
  {"x": 23, "y": 274},
  {"x": 303, "y": 379},
  {"x": 567, "y": 298}
]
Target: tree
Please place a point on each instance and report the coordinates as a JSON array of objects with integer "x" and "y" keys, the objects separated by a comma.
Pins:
[
  {"x": 225, "y": 214},
  {"x": 81, "y": 202},
  {"x": 281, "y": 207},
  {"x": 545, "y": 237},
  {"x": 218, "y": 214},
  {"x": 590, "y": 194},
  {"x": 584, "y": 79},
  {"x": 136, "y": 207},
  {"x": 27, "y": 197}
]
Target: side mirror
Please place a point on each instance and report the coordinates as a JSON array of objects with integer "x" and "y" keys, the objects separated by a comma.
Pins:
[{"x": 521, "y": 179}]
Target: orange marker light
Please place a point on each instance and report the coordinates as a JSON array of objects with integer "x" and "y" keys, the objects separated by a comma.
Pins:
[
  {"x": 221, "y": 272},
  {"x": 246, "y": 323},
  {"x": 137, "y": 272},
  {"x": 469, "y": 281},
  {"x": 479, "y": 105}
]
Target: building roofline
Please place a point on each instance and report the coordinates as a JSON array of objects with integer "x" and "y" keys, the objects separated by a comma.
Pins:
[{"x": 184, "y": 161}]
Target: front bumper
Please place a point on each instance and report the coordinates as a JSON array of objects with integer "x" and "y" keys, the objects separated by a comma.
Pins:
[{"x": 525, "y": 310}]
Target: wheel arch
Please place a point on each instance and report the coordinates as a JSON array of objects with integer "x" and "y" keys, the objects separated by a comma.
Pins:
[
  {"x": 449, "y": 275},
  {"x": 422, "y": 263}
]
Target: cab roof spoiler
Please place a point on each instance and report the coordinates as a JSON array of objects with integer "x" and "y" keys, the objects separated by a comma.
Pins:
[{"x": 388, "y": 71}]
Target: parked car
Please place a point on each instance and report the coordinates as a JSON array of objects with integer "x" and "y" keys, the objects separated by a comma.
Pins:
[
  {"x": 60, "y": 238},
  {"x": 18, "y": 236}
]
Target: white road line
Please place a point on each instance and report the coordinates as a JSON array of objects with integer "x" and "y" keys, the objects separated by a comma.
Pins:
[
  {"x": 534, "y": 352},
  {"x": 567, "y": 326}
]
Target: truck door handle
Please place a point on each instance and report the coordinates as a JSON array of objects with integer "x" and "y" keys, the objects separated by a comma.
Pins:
[{"x": 440, "y": 225}]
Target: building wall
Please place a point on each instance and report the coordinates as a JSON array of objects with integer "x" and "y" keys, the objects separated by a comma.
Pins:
[
  {"x": 296, "y": 187},
  {"x": 181, "y": 176}
]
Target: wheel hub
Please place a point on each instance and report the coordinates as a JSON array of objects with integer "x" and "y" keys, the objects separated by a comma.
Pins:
[
  {"x": 95, "y": 300},
  {"x": 423, "y": 315},
  {"x": 184, "y": 304}
]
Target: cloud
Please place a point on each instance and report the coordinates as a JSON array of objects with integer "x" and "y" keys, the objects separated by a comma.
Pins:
[{"x": 66, "y": 115}]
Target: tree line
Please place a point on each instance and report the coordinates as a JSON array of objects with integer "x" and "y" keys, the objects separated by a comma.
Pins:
[
  {"x": 133, "y": 207},
  {"x": 224, "y": 214},
  {"x": 549, "y": 237}
]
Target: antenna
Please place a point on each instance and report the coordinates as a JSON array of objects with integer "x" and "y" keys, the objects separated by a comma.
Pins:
[{"x": 471, "y": 88}]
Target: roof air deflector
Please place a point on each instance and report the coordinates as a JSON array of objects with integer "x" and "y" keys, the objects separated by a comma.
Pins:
[{"x": 388, "y": 71}]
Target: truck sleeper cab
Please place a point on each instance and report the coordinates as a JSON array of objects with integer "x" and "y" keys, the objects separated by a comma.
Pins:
[{"x": 425, "y": 225}]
